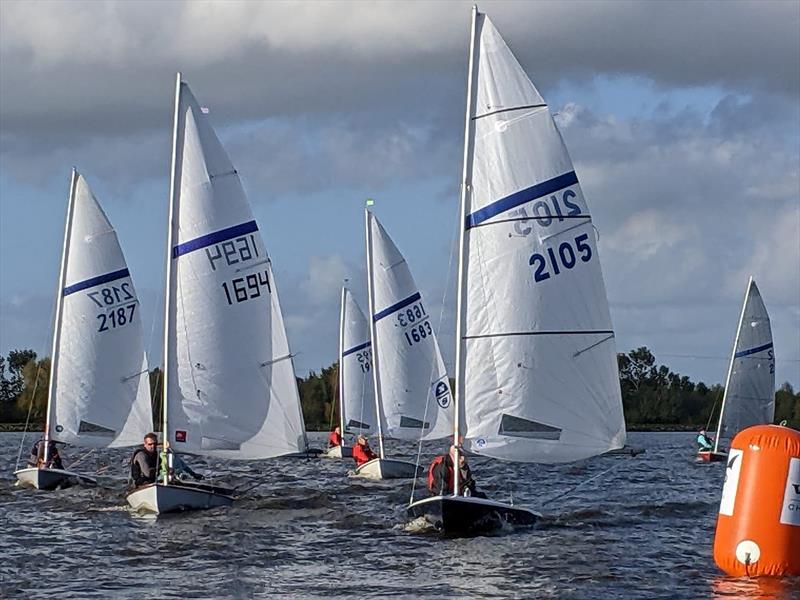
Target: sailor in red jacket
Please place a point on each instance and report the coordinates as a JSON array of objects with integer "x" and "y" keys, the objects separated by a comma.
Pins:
[
  {"x": 335, "y": 438},
  {"x": 440, "y": 476},
  {"x": 362, "y": 452}
]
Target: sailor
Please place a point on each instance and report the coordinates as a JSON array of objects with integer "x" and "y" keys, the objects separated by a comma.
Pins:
[
  {"x": 36, "y": 458},
  {"x": 335, "y": 438},
  {"x": 441, "y": 474},
  {"x": 362, "y": 452},
  {"x": 144, "y": 462},
  {"x": 705, "y": 442}
]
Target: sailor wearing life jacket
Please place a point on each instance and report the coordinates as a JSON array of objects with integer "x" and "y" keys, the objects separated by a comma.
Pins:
[
  {"x": 441, "y": 473},
  {"x": 335, "y": 438},
  {"x": 362, "y": 452},
  {"x": 36, "y": 458},
  {"x": 144, "y": 462}
]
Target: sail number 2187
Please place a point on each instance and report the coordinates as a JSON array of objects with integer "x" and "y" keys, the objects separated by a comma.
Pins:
[{"x": 563, "y": 257}]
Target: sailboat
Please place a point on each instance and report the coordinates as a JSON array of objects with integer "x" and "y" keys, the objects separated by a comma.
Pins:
[
  {"x": 749, "y": 397},
  {"x": 229, "y": 383},
  {"x": 98, "y": 393},
  {"x": 536, "y": 365},
  {"x": 356, "y": 402},
  {"x": 412, "y": 393}
]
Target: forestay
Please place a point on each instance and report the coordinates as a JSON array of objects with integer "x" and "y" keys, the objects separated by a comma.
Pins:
[
  {"x": 750, "y": 393},
  {"x": 358, "y": 399},
  {"x": 100, "y": 394},
  {"x": 541, "y": 381},
  {"x": 412, "y": 380},
  {"x": 231, "y": 385}
]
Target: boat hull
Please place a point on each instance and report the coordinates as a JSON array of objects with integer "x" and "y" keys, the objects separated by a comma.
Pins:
[
  {"x": 460, "y": 516},
  {"x": 711, "y": 456},
  {"x": 51, "y": 479},
  {"x": 159, "y": 499},
  {"x": 339, "y": 452},
  {"x": 388, "y": 468}
]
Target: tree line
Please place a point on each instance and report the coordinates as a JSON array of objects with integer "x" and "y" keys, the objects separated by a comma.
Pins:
[{"x": 653, "y": 396}]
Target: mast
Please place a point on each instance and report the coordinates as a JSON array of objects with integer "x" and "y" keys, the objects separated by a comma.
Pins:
[
  {"x": 62, "y": 276},
  {"x": 730, "y": 366},
  {"x": 466, "y": 185},
  {"x": 341, "y": 365},
  {"x": 370, "y": 293},
  {"x": 168, "y": 293}
]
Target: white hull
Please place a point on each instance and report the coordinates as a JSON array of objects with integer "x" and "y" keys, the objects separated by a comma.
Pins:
[
  {"x": 338, "y": 452},
  {"x": 387, "y": 468},
  {"x": 160, "y": 499},
  {"x": 51, "y": 479}
]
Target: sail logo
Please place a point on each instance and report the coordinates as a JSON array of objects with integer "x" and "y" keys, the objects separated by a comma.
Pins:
[
  {"x": 180, "y": 435},
  {"x": 442, "y": 393},
  {"x": 734, "y": 468}
]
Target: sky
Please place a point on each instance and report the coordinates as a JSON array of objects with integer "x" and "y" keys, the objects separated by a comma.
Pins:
[{"x": 682, "y": 120}]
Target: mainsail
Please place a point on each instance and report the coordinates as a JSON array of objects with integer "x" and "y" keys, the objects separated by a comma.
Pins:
[
  {"x": 230, "y": 382},
  {"x": 99, "y": 392},
  {"x": 540, "y": 380},
  {"x": 411, "y": 381},
  {"x": 355, "y": 369},
  {"x": 750, "y": 389}
]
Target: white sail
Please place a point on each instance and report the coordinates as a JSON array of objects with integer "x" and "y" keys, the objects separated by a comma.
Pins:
[
  {"x": 750, "y": 391},
  {"x": 540, "y": 379},
  {"x": 231, "y": 389},
  {"x": 413, "y": 386},
  {"x": 100, "y": 393},
  {"x": 355, "y": 369}
]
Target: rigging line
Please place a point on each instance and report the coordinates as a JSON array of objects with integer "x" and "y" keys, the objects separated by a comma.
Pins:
[
  {"x": 453, "y": 243},
  {"x": 517, "y": 333},
  {"x": 504, "y": 110},
  {"x": 28, "y": 418},
  {"x": 80, "y": 458},
  {"x": 696, "y": 356},
  {"x": 575, "y": 487},
  {"x": 47, "y": 337}
]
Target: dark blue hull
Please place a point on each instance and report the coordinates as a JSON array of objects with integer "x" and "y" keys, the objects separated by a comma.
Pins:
[{"x": 458, "y": 516}]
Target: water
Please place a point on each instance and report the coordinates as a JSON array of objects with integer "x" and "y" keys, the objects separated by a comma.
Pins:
[{"x": 644, "y": 529}]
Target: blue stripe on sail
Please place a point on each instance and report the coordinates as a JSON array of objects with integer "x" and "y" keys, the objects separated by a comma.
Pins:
[
  {"x": 214, "y": 238},
  {"x": 99, "y": 280},
  {"x": 395, "y": 307},
  {"x": 742, "y": 353},
  {"x": 521, "y": 197},
  {"x": 356, "y": 348}
]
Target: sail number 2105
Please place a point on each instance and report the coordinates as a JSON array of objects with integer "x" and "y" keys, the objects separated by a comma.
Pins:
[{"x": 564, "y": 257}]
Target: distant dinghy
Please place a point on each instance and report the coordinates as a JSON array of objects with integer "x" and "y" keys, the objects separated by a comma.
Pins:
[
  {"x": 229, "y": 381},
  {"x": 536, "y": 365},
  {"x": 356, "y": 398},
  {"x": 98, "y": 394},
  {"x": 749, "y": 397},
  {"x": 412, "y": 392}
]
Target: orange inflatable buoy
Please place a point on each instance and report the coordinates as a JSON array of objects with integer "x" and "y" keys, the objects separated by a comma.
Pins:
[{"x": 758, "y": 526}]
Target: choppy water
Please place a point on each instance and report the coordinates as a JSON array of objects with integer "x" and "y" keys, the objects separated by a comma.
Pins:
[{"x": 642, "y": 530}]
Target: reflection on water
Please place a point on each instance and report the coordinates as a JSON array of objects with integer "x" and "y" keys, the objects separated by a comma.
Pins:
[{"x": 644, "y": 529}]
